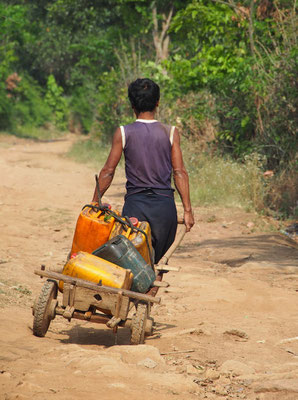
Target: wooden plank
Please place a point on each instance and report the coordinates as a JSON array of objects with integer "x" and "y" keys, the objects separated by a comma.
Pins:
[
  {"x": 107, "y": 302},
  {"x": 127, "y": 279},
  {"x": 118, "y": 304},
  {"x": 163, "y": 267},
  {"x": 113, "y": 322},
  {"x": 66, "y": 294},
  {"x": 98, "y": 289},
  {"x": 161, "y": 284},
  {"x": 84, "y": 299}
]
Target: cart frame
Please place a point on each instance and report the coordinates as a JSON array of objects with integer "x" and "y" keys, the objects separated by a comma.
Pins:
[{"x": 82, "y": 299}]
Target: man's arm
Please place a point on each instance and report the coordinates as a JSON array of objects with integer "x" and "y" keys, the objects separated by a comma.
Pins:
[
  {"x": 106, "y": 175},
  {"x": 181, "y": 181}
]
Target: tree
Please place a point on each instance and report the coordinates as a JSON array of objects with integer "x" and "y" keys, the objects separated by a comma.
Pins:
[{"x": 245, "y": 55}]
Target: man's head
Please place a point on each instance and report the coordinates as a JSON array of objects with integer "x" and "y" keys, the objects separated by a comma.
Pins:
[{"x": 143, "y": 95}]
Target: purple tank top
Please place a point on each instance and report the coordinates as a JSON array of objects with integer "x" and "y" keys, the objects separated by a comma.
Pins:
[{"x": 147, "y": 150}]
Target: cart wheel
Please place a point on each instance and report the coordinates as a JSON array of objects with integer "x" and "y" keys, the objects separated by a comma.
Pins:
[
  {"x": 138, "y": 324},
  {"x": 43, "y": 308}
]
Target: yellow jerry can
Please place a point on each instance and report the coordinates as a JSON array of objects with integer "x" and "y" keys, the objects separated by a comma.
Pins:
[
  {"x": 94, "y": 269},
  {"x": 138, "y": 239}
]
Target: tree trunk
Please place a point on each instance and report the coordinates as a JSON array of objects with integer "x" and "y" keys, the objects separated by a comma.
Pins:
[{"x": 161, "y": 39}]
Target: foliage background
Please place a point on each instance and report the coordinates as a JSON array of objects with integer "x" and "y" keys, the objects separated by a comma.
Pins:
[{"x": 226, "y": 70}]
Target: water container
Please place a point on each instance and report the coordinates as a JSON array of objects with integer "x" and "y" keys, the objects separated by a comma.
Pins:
[
  {"x": 122, "y": 252},
  {"x": 137, "y": 238},
  {"x": 94, "y": 269},
  {"x": 92, "y": 230}
]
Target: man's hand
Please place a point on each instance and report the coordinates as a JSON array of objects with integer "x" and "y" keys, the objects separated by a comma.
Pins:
[{"x": 189, "y": 220}]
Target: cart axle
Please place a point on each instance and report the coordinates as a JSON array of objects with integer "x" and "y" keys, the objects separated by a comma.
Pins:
[{"x": 104, "y": 319}]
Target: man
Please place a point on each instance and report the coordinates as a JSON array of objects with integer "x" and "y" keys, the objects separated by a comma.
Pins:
[{"x": 152, "y": 153}]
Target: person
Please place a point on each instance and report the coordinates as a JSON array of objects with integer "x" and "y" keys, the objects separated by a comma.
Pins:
[{"x": 152, "y": 154}]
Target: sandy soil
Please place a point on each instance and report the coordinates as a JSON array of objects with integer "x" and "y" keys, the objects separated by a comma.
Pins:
[{"x": 222, "y": 328}]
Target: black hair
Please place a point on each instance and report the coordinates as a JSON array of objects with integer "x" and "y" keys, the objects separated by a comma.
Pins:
[{"x": 143, "y": 95}]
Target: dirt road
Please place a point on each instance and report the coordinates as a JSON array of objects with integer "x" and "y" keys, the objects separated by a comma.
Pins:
[{"x": 226, "y": 327}]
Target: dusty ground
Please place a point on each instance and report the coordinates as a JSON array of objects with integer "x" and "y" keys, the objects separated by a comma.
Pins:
[{"x": 220, "y": 330}]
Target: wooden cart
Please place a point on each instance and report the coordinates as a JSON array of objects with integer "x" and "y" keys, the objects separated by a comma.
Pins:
[{"x": 93, "y": 302}]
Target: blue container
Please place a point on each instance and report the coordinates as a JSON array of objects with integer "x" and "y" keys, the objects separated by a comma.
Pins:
[{"x": 122, "y": 252}]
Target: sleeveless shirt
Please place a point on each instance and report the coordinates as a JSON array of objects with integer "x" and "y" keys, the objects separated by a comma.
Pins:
[{"x": 147, "y": 150}]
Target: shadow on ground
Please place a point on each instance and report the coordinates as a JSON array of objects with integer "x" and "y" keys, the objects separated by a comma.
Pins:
[
  {"x": 235, "y": 251},
  {"x": 94, "y": 336}
]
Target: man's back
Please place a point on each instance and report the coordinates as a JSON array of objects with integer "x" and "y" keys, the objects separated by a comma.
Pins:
[{"x": 147, "y": 150}]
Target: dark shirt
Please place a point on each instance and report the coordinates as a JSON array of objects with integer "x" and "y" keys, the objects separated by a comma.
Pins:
[{"x": 147, "y": 151}]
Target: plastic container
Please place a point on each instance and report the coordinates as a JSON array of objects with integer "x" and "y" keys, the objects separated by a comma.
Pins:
[
  {"x": 122, "y": 252},
  {"x": 92, "y": 230},
  {"x": 137, "y": 238},
  {"x": 94, "y": 269}
]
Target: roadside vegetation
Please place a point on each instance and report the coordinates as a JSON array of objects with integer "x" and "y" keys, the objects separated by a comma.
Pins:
[
  {"x": 227, "y": 71},
  {"x": 90, "y": 152}
]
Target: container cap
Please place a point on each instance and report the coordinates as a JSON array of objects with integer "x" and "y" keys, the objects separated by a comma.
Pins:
[
  {"x": 134, "y": 221},
  {"x": 107, "y": 205}
]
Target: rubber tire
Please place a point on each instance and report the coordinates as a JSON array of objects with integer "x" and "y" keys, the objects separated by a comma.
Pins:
[
  {"x": 42, "y": 317},
  {"x": 138, "y": 324}
]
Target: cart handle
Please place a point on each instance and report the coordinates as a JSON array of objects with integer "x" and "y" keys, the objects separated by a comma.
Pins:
[
  {"x": 97, "y": 288},
  {"x": 174, "y": 246}
]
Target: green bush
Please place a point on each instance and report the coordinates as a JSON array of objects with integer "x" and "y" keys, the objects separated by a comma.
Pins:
[
  {"x": 30, "y": 107},
  {"x": 7, "y": 57},
  {"x": 22, "y": 103},
  {"x": 6, "y": 109},
  {"x": 113, "y": 106},
  {"x": 55, "y": 100},
  {"x": 194, "y": 115},
  {"x": 82, "y": 109},
  {"x": 277, "y": 104}
]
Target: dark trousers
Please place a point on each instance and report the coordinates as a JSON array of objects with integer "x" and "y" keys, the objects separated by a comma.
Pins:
[{"x": 159, "y": 209}]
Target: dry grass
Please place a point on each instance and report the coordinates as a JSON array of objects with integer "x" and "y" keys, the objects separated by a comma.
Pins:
[
  {"x": 282, "y": 193},
  {"x": 220, "y": 181},
  {"x": 89, "y": 151}
]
